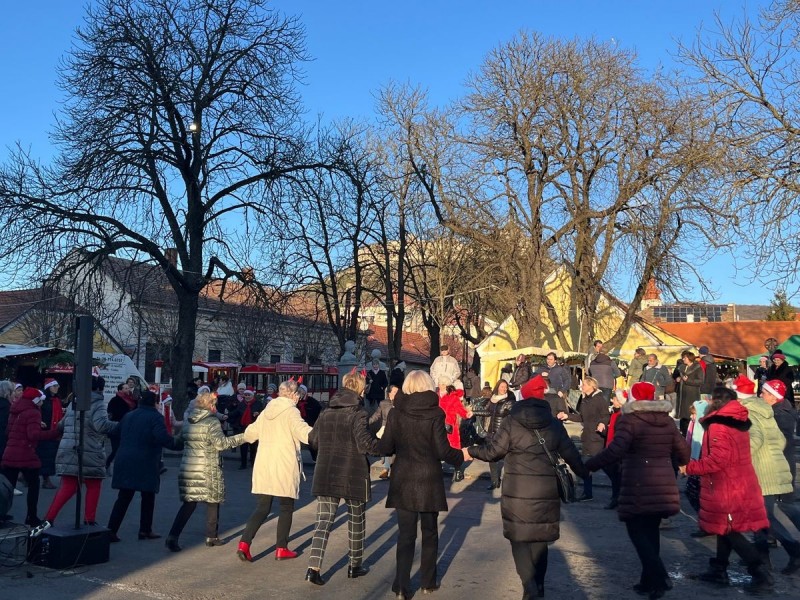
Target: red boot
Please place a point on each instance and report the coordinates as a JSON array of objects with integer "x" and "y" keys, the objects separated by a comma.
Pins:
[
  {"x": 244, "y": 552},
  {"x": 284, "y": 554}
]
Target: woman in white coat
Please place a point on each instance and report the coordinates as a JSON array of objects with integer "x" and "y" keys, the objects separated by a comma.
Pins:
[{"x": 280, "y": 430}]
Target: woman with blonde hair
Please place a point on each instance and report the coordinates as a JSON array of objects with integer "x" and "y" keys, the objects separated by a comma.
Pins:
[
  {"x": 342, "y": 440},
  {"x": 276, "y": 472},
  {"x": 592, "y": 411},
  {"x": 200, "y": 476},
  {"x": 415, "y": 434}
]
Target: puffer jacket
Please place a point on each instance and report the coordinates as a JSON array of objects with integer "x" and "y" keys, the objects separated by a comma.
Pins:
[
  {"x": 453, "y": 410},
  {"x": 766, "y": 447},
  {"x": 786, "y": 418},
  {"x": 342, "y": 441},
  {"x": 710, "y": 376},
  {"x": 24, "y": 433},
  {"x": 200, "y": 473},
  {"x": 97, "y": 427},
  {"x": 604, "y": 370},
  {"x": 645, "y": 442},
  {"x": 280, "y": 430},
  {"x": 730, "y": 496},
  {"x": 530, "y": 505},
  {"x": 496, "y": 411}
]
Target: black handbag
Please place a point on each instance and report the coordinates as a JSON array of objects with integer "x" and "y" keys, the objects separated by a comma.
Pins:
[
  {"x": 470, "y": 436},
  {"x": 564, "y": 479}
]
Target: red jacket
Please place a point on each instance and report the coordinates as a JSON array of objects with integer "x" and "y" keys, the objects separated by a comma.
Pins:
[
  {"x": 730, "y": 497},
  {"x": 453, "y": 408},
  {"x": 24, "y": 432}
]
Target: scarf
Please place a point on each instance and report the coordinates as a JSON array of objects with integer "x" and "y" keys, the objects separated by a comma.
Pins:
[
  {"x": 302, "y": 407},
  {"x": 129, "y": 400},
  {"x": 247, "y": 415},
  {"x": 58, "y": 412}
]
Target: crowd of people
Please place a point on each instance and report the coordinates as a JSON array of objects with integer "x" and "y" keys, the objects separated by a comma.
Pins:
[{"x": 734, "y": 443}]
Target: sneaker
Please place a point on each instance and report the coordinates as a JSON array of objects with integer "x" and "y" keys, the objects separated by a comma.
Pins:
[
  {"x": 17, "y": 492},
  {"x": 40, "y": 528}
]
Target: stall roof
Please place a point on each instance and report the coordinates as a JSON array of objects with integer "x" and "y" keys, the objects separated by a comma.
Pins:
[
  {"x": 11, "y": 350},
  {"x": 214, "y": 365}
]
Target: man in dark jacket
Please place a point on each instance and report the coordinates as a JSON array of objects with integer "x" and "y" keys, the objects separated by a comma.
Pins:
[
  {"x": 773, "y": 392},
  {"x": 657, "y": 374},
  {"x": 530, "y": 504},
  {"x": 244, "y": 412},
  {"x": 522, "y": 372},
  {"x": 781, "y": 370},
  {"x": 377, "y": 382},
  {"x": 606, "y": 372},
  {"x": 558, "y": 381},
  {"x": 710, "y": 377}
]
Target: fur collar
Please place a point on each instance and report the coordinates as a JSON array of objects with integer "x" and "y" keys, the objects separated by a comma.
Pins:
[
  {"x": 639, "y": 406},
  {"x": 727, "y": 421}
]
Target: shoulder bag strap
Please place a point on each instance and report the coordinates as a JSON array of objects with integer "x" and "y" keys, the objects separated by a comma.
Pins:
[{"x": 550, "y": 456}]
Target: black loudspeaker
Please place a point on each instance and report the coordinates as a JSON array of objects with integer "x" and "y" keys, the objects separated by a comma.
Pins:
[
  {"x": 59, "y": 548},
  {"x": 84, "y": 344}
]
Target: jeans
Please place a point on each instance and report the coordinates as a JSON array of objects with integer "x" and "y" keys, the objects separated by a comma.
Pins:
[
  {"x": 407, "y": 541},
  {"x": 260, "y": 515},
  {"x": 121, "y": 508},
  {"x": 530, "y": 559},
  {"x": 187, "y": 509},
  {"x": 790, "y": 544},
  {"x": 643, "y": 531}
]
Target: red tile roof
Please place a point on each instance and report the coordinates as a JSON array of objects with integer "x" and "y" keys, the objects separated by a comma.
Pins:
[
  {"x": 733, "y": 340},
  {"x": 416, "y": 347},
  {"x": 15, "y": 303}
]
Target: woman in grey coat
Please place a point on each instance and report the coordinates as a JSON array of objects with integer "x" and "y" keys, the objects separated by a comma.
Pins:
[
  {"x": 97, "y": 427},
  {"x": 200, "y": 474}
]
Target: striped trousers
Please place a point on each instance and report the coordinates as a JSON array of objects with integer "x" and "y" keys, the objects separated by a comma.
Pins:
[{"x": 356, "y": 528}]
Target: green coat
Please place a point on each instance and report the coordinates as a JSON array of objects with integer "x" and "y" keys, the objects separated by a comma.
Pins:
[
  {"x": 200, "y": 475},
  {"x": 766, "y": 448}
]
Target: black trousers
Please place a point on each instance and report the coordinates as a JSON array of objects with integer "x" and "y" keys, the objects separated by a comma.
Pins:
[
  {"x": 114, "y": 448},
  {"x": 121, "y": 508},
  {"x": 187, "y": 510},
  {"x": 407, "y": 541},
  {"x": 260, "y": 515},
  {"x": 496, "y": 470},
  {"x": 736, "y": 541},
  {"x": 644, "y": 533},
  {"x": 530, "y": 558},
  {"x": 615, "y": 475},
  {"x": 31, "y": 477},
  {"x": 246, "y": 449}
]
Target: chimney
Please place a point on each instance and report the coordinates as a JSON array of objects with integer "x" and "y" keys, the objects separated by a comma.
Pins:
[
  {"x": 652, "y": 295},
  {"x": 171, "y": 255}
]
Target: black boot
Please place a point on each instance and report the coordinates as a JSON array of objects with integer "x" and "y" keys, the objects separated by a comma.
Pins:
[
  {"x": 761, "y": 582},
  {"x": 313, "y": 576},
  {"x": 717, "y": 572}
]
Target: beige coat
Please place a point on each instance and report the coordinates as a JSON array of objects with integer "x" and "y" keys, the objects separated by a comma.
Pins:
[{"x": 279, "y": 431}]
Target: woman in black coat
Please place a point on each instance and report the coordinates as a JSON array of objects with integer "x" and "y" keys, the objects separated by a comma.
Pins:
[
  {"x": 530, "y": 504},
  {"x": 342, "y": 440},
  {"x": 646, "y": 443},
  {"x": 592, "y": 411},
  {"x": 142, "y": 435},
  {"x": 416, "y": 436},
  {"x": 496, "y": 410}
]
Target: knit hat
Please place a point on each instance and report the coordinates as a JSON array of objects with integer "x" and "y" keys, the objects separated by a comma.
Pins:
[
  {"x": 775, "y": 387},
  {"x": 203, "y": 389},
  {"x": 744, "y": 386},
  {"x": 272, "y": 387},
  {"x": 643, "y": 390},
  {"x": 704, "y": 350},
  {"x": 780, "y": 355},
  {"x": 50, "y": 382},
  {"x": 534, "y": 388},
  {"x": 241, "y": 387},
  {"x": 621, "y": 395}
]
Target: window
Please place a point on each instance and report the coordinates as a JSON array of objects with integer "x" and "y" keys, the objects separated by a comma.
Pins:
[
  {"x": 214, "y": 350},
  {"x": 274, "y": 358}
]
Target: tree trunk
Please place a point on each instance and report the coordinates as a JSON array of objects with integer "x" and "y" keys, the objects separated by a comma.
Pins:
[{"x": 183, "y": 350}]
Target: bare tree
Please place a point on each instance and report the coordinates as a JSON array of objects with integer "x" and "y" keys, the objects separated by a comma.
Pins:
[
  {"x": 181, "y": 117},
  {"x": 750, "y": 69}
]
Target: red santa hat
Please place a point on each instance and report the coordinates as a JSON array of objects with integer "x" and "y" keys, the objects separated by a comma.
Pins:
[
  {"x": 744, "y": 386},
  {"x": 50, "y": 382},
  {"x": 643, "y": 390},
  {"x": 32, "y": 394},
  {"x": 621, "y": 396},
  {"x": 775, "y": 387},
  {"x": 534, "y": 388}
]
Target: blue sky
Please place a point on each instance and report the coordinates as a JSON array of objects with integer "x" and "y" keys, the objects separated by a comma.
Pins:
[{"x": 357, "y": 46}]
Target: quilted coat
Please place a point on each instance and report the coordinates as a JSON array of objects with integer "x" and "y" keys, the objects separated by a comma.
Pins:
[
  {"x": 644, "y": 443},
  {"x": 530, "y": 505},
  {"x": 766, "y": 447},
  {"x": 730, "y": 496},
  {"x": 97, "y": 427},
  {"x": 200, "y": 474},
  {"x": 592, "y": 410},
  {"x": 24, "y": 433},
  {"x": 343, "y": 440},
  {"x": 142, "y": 435},
  {"x": 279, "y": 431}
]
